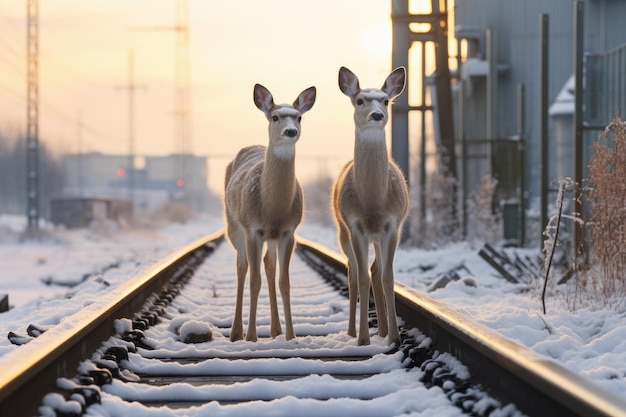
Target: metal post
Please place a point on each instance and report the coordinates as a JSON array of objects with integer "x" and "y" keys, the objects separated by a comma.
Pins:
[
  {"x": 400, "y": 58},
  {"x": 544, "y": 25},
  {"x": 521, "y": 148},
  {"x": 400, "y": 110},
  {"x": 32, "y": 116},
  {"x": 492, "y": 93},
  {"x": 423, "y": 136},
  {"x": 464, "y": 153},
  {"x": 578, "y": 118},
  {"x": 444, "y": 95}
]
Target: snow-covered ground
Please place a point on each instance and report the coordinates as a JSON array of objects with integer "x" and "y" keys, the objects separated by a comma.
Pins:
[{"x": 35, "y": 274}]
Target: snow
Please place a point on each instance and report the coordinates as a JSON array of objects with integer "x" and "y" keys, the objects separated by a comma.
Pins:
[{"x": 36, "y": 275}]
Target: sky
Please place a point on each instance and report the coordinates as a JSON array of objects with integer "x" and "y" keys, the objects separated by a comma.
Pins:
[
  {"x": 588, "y": 340},
  {"x": 287, "y": 46}
]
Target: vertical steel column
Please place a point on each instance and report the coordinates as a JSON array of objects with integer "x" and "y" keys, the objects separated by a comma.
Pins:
[
  {"x": 544, "y": 72},
  {"x": 32, "y": 116},
  {"x": 443, "y": 82},
  {"x": 464, "y": 152},
  {"x": 400, "y": 110},
  {"x": 578, "y": 118},
  {"x": 492, "y": 94},
  {"x": 521, "y": 149},
  {"x": 423, "y": 184}
]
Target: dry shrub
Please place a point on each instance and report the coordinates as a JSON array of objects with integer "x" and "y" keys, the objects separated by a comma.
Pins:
[
  {"x": 598, "y": 269},
  {"x": 607, "y": 195},
  {"x": 440, "y": 227},
  {"x": 484, "y": 225},
  {"x": 170, "y": 212}
]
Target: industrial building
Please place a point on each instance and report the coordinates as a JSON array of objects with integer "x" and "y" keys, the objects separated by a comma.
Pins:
[{"x": 500, "y": 98}]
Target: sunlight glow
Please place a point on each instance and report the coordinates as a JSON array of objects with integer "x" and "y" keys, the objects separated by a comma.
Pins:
[{"x": 376, "y": 40}]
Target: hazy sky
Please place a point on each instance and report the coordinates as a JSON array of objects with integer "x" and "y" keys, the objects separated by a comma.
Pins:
[{"x": 285, "y": 45}]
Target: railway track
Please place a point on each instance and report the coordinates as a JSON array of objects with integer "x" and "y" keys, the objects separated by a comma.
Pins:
[{"x": 144, "y": 350}]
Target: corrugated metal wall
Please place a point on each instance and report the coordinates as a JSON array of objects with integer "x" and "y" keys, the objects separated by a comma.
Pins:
[
  {"x": 516, "y": 26},
  {"x": 606, "y": 86}
]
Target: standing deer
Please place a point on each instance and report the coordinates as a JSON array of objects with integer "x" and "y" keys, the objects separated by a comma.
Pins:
[
  {"x": 370, "y": 201},
  {"x": 263, "y": 203}
]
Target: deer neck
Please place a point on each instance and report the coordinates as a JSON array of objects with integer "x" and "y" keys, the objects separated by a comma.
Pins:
[
  {"x": 371, "y": 166},
  {"x": 278, "y": 179}
]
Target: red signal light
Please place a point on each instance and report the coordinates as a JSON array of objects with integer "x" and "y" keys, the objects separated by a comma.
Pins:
[
  {"x": 180, "y": 183},
  {"x": 120, "y": 172}
]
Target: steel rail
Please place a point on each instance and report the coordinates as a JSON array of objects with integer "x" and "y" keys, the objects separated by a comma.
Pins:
[
  {"x": 507, "y": 370},
  {"x": 31, "y": 371}
]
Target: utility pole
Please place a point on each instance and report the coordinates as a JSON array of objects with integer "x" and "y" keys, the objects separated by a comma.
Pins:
[
  {"x": 32, "y": 116},
  {"x": 182, "y": 90},
  {"x": 79, "y": 154},
  {"x": 405, "y": 35},
  {"x": 130, "y": 87}
]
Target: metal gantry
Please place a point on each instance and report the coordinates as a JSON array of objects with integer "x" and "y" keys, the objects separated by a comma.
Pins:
[{"x": 423, "y": 28}]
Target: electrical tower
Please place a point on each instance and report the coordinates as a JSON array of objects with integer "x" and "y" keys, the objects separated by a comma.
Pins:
[
  {"x": 130, "y": 87},
  {"x": 32, "y": 116}
]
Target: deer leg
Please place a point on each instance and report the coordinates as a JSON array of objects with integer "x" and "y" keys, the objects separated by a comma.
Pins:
[
  {"x": 237, "y": 238},
  {"x": 254, "y": 246},
  {"x": 353, "y": 287},
  {"x": 390, "y": 242},
  {"x": 270, "y": 273},
  {"x": 285, "y": 249},
  {"x": 236, "y": 331},
  {"x": 379, "y": 294},
  {"x": 360, "y": 247}
]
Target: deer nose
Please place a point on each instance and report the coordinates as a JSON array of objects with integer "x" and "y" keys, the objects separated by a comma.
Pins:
[
  {"x": 291, "y": 132},
  {"x": 378, "y": 116}
]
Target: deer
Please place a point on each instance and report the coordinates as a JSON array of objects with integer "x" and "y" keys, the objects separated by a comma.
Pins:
[
  {"x": 263, "y": 204},
  {"x": 370, "y": 202}
]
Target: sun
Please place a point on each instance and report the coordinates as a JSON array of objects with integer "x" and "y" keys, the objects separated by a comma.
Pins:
[{"x": 376, "y": 39}]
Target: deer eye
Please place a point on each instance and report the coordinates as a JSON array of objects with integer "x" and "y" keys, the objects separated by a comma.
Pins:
[
  {"x": 299, "y": 119},
  {"x": 386, "y": 102},
  {"x": 275, "y": 118},
  {"x": 359, "y": 101}
]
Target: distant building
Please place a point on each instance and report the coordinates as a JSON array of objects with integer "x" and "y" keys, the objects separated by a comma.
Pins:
[
  {"x": 78, "y": 212},
  {"x": 147, "y": 181}
]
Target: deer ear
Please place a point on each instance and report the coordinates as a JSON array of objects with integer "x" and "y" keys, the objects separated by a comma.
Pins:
[
  {"x": 263, "y": 99},
  {"x": 348, "y": 82},
  {"x": 305, "y": 100},
  {"x": 394, "y": 84}
]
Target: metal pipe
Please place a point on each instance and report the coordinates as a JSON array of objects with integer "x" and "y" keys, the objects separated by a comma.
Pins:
[
  {"x": 578, "y": 118},
  {"x": 544, "y": 25}
]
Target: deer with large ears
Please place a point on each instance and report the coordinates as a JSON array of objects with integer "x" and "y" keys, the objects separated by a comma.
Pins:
[
  {"x": 370, "y": 201},
  {"x": 263, "y": 205}
]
